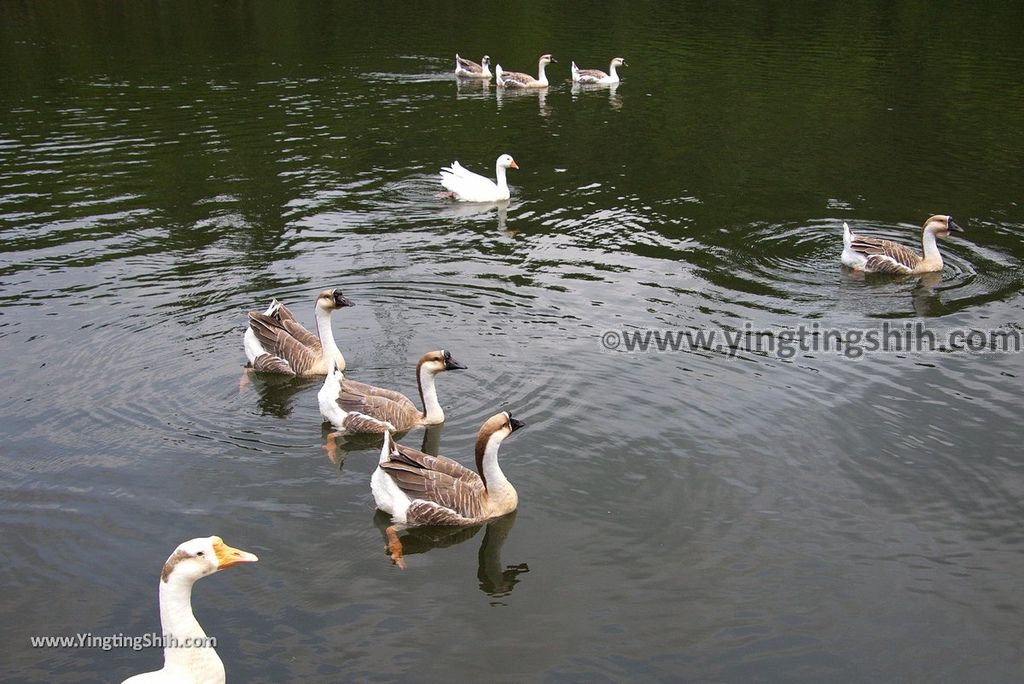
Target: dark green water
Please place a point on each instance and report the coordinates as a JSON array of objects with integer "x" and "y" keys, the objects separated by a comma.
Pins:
[{"x": 695, "y": 515}]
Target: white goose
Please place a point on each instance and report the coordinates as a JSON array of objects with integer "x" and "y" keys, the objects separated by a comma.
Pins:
[
  {"x": 596, "y": 75},
  {"x": 191, "y": 561},
  {"x": 467, "y": 68},
  {"x": 517, "y": 79},
  {"x": 466, "y": 186},
  {"x": 873, "y": 255},
  {"x": 275, "y": 342}
]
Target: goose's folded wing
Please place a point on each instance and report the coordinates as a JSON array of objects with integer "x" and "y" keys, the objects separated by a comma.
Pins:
[
  {"x": 268, "y": 363},
  {"x": 595, "y": 74},
  {"x": 362, "y": 389},
  {"x": 517, "y": 77},
  {"x": 381, "y": 408},
  {"x": 468, "y": 184},
  {"x": 438, "y": 480},
  {"x": 468, "y": 64},
  {"x": 884, "y": 256},
  {"x": 276, "y": 339}
]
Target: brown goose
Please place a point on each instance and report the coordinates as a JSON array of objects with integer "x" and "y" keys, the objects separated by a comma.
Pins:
[
  {"x": 467, "y": 68},
  {"x": 873, "y": 255},
  {"x": 418, "y": 489},
  {"x": 357, "y": 408},
  {"x": 516, "y": 79},
  {"x": 277, "y": 343},
  {"x": 596, "y": 75}
]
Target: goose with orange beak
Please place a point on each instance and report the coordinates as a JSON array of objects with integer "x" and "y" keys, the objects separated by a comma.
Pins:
[
  {"x": 188, "y": 658},
  {"x": 466, "y": 186}
]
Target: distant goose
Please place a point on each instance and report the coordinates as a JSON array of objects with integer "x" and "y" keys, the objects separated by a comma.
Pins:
[
  {"x": 516, "y": 79},
  {"x": 277, "y": 343},
  {"x": 466, "y": 186},
  {"x": 418, "y": 489},
  {"x": 191, "y": 561},
  {"x": 356, "y": 408},
  {"x": 596, "y": 75},
  {"x": 873, "y": 255},
  {"x": 467, "y": 68}
]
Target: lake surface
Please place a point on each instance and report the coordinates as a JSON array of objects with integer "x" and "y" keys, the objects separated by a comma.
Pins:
[{"x": 706, "y": 514}]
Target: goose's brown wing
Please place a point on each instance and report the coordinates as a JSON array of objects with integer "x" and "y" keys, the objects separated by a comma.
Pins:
[
  {"x": 469, "y": 65},
  {"x": 401, "y": 417},
  {"x": 885, "y": 256},
  {"x": 437, "y": 480},
  {"x": 595, "y": 74},
  {"x": 280, "y": 343},
  {"x": 362, "y": 389},
  {"x": 288, "y": 321},
  {"x": 516, "y": 78}
]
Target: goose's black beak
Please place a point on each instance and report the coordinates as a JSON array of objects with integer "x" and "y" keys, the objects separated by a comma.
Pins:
[
  {"x": 341, "y": 300},
  {"x": 954, "y": 227},
  {"x": 452, "y": 364},
  {"x": 515, "y": 423}
]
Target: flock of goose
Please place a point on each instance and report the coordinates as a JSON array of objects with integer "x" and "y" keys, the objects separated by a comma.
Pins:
[{"x": 413, "y": 487}]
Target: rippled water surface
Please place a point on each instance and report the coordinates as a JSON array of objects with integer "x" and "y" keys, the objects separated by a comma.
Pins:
[{"x": 715, "y": 513}]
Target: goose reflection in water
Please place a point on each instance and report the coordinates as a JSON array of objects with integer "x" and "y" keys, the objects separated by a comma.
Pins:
[
  {"x": 469, "y": 88},
  {"x": 614, "y": 99},
  {"x": 338, "y": 446},
  {"x": 496, "y": 579},
  {"x": 276, "y": 393},
  {"x": 925, "y": 298},
  {"x": 482, "y": 211},
  {"x": 505, "y": 96}
]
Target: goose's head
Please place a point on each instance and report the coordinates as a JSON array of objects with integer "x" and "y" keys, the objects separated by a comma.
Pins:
[
  {"x": 485, "y": 62},
  {"x": 495, "y": 430},
  {"x": 619, "y": 61},
  {"x": 200, "y": 557},
  {"x": 548, "y": 59},
  {"x": 332, "y": 299},
  {"x": 940, "y": 225},
  {"x": 506, "y": 161},
  {"x": 438, "y": 361}
]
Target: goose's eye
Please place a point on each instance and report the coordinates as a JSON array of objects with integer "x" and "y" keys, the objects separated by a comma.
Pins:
[{"x": 201, "y": 553}]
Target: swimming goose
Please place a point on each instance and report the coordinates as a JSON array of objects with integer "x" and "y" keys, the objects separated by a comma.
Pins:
[
  {"x": 873, "y": 255},
  {"x": 277, "y": 343},
  {"x": 466, "y": 186},
  {"x": 357, "y": 408},
  {"x": 516, "y": 79},
  {"x": 596, "y": 75},
  {"x": 467, "y": 68},
  {"x": 416, "y": 489},
  {"x": 191, "y": 561}
]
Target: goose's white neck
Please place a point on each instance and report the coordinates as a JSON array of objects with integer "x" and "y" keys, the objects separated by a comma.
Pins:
[
  {"x": 326, "y": 334},
  {"x": 500, "y": 491},
  {"x": 179, "y": 624},
  {"x": 541, "y": 76},
  {"x": 432, "y": 412},
  {"x": 613, "y": 73},
  {"x": 931, "y": 248},
  {"x": 499, "y": 175}
]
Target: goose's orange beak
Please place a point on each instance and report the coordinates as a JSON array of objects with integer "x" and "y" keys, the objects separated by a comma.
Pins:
[
  {"x": 514, "y": 165},
  {"x": 228, "y": 556}
]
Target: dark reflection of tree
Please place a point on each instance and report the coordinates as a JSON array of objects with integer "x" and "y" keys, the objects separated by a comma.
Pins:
[{"x": 496, "y": 579}]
